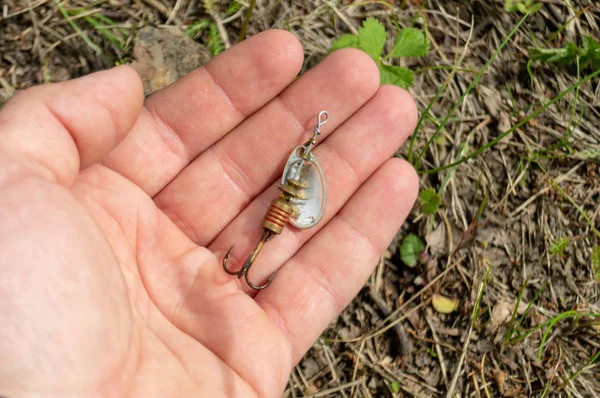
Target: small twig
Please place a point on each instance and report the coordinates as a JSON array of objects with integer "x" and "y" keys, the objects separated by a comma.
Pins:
[
  {"x": 475, "y": 384},
  {"x": 438, "y": 350},
  {"x": 466, "y": 345},
  {"x": 160, "y": 7},
  {"x": 293, "y": 385},
  {"x": 543, "y": 191},
  {"x": 58, "y": 42},
  {"x": 431, "y": 341},
  {"x": 77, "y": 29},
  {"x": 391, "y": 377},
  {"x": 24, "y": 10},
  {"x": 526, "y": 373},
  {"x": 379, "y": 274},
  {"x": 10, "y": 91},
  {"x": 37, "y": 42},
  {"x": 460, "y": 362},
  {"x": 356, "y": 364},
  {"x": 342, "y": 17},
  {"x": 406, "y": 347},
  {"x": 425, "y": 288},
  {"x": 221, "y": 28},
  {"x": 302, "y": 378},
  {"x": 233, "y": 17},
  {"x": 173, "y": 15},
  {"x": 329, "y": 357},
  {"x": 487, "y": 392}
]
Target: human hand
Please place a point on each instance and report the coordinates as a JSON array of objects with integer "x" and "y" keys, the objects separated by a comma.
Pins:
[{"x": 115, "y": 214}]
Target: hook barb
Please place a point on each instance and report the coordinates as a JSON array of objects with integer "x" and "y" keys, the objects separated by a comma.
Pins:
[{"x": 243, "y": 272}]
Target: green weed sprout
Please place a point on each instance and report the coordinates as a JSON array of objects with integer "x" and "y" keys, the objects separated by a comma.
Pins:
[{"x": 371, "y": 38}]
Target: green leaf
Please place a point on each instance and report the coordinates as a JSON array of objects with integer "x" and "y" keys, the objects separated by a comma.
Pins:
[
  {"x": 590, "y": 52},
  {"x": 561, "y": 56},
  {"x": 233, "y": 7},
  {"x": 535, "y": 8},
  {"x": 410, "y": 249},
  {"x": 523, "y": 6},
  {"x": 398, "y": 75},
  {"x": 215, "y": 44},
  {"x": 430, "y": 201},
  {"x": 410, "y": 42},
  {"x": 509, "y": 5},
  {"x": 344, "y": 41},
  {"x": 395, "y": 387},
  {"x": 559, "y": 246},
  {"x": 195, "y": 29},
  {"x": 587, "y": 154},
  {"x": 372, "y": 37},
  {"x": 596, "y": 262}
]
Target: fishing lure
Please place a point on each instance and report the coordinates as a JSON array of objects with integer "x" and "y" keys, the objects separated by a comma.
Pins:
[{"x": 300, "y": 203}]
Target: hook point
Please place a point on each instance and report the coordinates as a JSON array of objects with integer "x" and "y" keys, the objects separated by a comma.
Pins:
[{"x": 227, "y": 255}]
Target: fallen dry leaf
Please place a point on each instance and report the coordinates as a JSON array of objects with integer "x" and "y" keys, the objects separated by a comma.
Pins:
[{"x": 443, "y": 304}]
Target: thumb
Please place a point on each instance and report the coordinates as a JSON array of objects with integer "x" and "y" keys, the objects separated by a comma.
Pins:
[{"x": 55, "y": 130}]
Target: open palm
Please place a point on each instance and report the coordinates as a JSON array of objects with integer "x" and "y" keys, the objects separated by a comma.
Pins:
[{"x": 115, "y": 215}]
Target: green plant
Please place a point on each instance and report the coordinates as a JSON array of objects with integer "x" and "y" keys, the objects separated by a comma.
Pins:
[
  {"x": 233, "y": 7},
  {"x": 524, "y": 121},
  {"x": 410, "y": 250},
  {"x": 371, "y": 38},
  {"x": 444, "y": 122},
  {"x": 430, "y": 201},
  {"x": 549, "y": 324},
  {"x": 511, "y": 324},
  {"x": 215, "y": 43},
  {"x": 105, "y": 27},
  {"x": 197, "y": 28},
  {"x": 559, "y": 246},
  {"x": 514, "y": 327},
  {"x": 247, "y": 18},
  {"x": 99, "y": 22},
  {"x": 77, "y": 29},
  {"x": 596, "y": 262},
  {"x": 522, "y": 6},
  {"x": 588, "y": 54}
]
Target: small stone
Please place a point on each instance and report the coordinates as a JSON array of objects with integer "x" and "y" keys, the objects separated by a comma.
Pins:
[{"x": 164, "y": 55}]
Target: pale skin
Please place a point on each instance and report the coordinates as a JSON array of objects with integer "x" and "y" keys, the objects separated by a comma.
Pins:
[{"x": 116, "y": 213}]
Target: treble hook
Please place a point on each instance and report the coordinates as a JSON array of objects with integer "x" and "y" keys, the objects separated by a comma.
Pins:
[{"x": 243, "y": 272}]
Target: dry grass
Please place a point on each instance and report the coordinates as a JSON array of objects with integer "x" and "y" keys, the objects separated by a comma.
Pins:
[{"x": 539, "y": 188}]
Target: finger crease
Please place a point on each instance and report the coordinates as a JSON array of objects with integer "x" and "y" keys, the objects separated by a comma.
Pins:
[
  {"x": 226, "y": 96},
  {"x": 169, "y": 137},
  {"x": 348, "y": 167},
  {"x": 370, "y": 241},
  {"x": 292, "y": 115},
  {"x": 317, "y": 276},
  {"x": 240, "y": 179}
]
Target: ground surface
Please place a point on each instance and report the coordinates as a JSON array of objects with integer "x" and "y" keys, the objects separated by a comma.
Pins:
[{"x": 517, "y": 220}]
